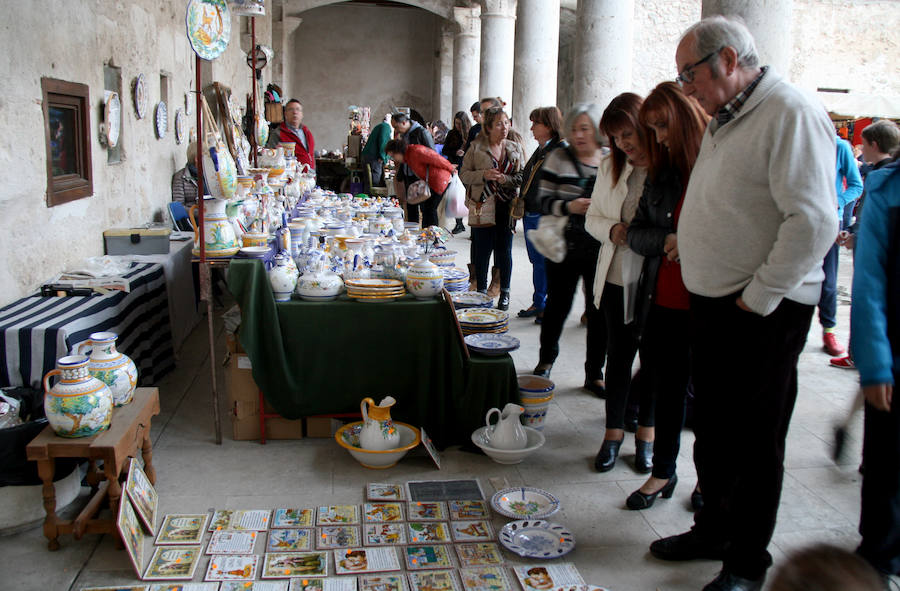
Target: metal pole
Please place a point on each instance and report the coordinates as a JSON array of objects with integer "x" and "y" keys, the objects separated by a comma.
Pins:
[{"x": 253, "y": 83}]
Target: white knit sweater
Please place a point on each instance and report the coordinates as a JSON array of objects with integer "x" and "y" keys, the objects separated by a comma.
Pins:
[{"x": 758, "y": 216}]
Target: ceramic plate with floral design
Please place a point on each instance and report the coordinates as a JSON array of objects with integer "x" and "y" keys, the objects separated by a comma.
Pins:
[
  {"x": 208, "y": 27},
  {"x": 524, "y": 502},
  {"x": 162, "y": 119},
  {"x": 140, "y": 96}
]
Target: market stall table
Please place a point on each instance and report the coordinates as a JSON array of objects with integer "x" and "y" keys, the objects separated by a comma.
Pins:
[
  {"x": 314, "y": 358},
  {"x": 128, "y": 435},
  {"x": 36, "y": 331}
]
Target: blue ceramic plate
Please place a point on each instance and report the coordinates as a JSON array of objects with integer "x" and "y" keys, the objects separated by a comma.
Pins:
[
  {"x": 492, "y": 344},
  {"x": 537, "y": 539}
]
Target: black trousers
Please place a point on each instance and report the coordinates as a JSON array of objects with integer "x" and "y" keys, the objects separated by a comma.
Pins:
[
  {"x": 666, "y": 365},
  {"x": 745, "y": 384},
  {"x": 562, "y": 280},
  {"x": 621, "y": 347},
  {"x": 496, "y": 239},
  {"x": 879, "y": 522}
]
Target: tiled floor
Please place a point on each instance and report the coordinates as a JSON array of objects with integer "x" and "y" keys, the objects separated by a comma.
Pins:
[{"x": 820, "y": 500}]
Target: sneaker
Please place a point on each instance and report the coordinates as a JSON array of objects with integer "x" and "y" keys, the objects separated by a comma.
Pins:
[
  {"x": 845, "y": 362},
  {"x": 831, "y": 346}
]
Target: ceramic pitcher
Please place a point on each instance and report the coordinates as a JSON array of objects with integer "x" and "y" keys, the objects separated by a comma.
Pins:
[
  {"x": 508, "y": 433},
  {"x": 112, "y": 368},
  {"x": 378, "y": 431},
  {"x": 217, "y": 230},
  {"x": 282, "y": 279},
  {"x": 79, "y": 405}
]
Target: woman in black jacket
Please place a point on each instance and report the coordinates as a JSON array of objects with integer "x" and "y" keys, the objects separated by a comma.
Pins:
[{"x": 663, "y": 301}]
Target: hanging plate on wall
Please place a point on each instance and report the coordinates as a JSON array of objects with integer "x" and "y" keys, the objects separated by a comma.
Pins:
[
  {"x": 162, "y": 118},
  {"x": 140, "y": 96},
  {"x": 112, "y": 118},
  {"x": 208, "y": 27},
  {"x": 180, "y": 125}
]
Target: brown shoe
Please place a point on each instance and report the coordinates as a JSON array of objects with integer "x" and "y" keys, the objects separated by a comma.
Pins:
[{"x": 494, "y": 288}]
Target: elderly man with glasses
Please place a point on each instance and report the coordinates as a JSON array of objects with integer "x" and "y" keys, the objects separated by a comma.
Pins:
[{"x": 757, "y": 220}]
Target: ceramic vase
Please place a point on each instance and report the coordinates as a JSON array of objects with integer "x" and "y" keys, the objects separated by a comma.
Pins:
[
  {"x": 79, "y": 405},
  {"x": 507, "y": 433},
  {"x": 424, "y": 280},
  {"x": 378, "y": 430},
  {"x": 217, "y": 230},
  {"x": 282, "y": 279},
  {"x": 112, "y": 368}
]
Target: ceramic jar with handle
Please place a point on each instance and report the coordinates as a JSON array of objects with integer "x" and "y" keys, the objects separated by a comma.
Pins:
[
  {"x": 218, "y": 232},
  {"x": 79, "y": 405},
  {"x": 378, "y": 431},
  {"x": 282, "y": 278},
  {"x": 112, "y": 368},
  {"x": 508, "y": 432},
  {"x": 424, "y": 279}
]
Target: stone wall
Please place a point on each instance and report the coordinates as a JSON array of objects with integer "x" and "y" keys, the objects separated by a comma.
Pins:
[{"x": 138, "y": 36}]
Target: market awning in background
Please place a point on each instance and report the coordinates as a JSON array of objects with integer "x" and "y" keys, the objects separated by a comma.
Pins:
[{"x": 857, "y": 106}]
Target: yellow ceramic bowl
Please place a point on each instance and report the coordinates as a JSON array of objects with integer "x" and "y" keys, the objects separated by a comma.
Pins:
[{"x": 348, "y": 438}]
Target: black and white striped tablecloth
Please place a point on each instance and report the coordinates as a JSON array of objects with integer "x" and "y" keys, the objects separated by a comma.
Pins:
[{"x": 36, "y": 331}]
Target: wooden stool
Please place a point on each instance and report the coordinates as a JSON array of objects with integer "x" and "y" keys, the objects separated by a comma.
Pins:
[{"x": 128, "y": 434}]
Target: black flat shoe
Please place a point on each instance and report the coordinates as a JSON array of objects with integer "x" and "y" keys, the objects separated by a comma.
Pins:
[
  {"x": 638, "y": 500},
  {"x": 696, "y": 500},
  {"x": 725, "y": 581},
  {"x": 544, "y": 372},
  {"x": 597, "y": 387},
  {"x": 503, "y": 301},
  {"x": 643, "y": 456},
  {"x": 529, "y": 312},
  {"x": 686, "y": 546},
  {"x": 606, "y": 457}
]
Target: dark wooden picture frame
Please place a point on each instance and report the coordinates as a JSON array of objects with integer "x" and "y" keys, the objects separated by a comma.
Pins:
[{"x": 67, "y": 122}]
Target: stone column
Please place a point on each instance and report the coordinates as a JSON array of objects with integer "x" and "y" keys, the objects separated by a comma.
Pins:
[
  {"x": 442, "y": 97},
  {"x": 770, "y": 23},
  {"x": 498, "y": 37},
  {"x": 537, "y": 52},
  {"x": 466, "y": 52},
  {"x": 603, "y": 50},
  {"x": 282, "y": 44}
]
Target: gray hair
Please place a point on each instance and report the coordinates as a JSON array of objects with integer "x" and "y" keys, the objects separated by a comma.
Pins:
[
  {"x": 714, "y": 33},
  {"x": 594, "y": 113}
]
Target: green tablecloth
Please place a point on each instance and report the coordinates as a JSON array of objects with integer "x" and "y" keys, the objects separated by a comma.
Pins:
[{"x": 324, "y": 357}]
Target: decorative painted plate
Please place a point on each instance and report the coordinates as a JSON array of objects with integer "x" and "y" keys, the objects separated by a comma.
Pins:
[
  {"x": 377, "y": 283},
  {"x": 162, "y": 119},
  {"x": 524, "y": 501},
  {"x": 452, "y": 273},
  {"x": 188, "y": 100},
  {"x": 537, "y": 539},
  {"x": 208, "y": 27},
  {"x": 255, "y": 252},
  {"x": 472, "y": 299},
  {"x": 141, "y": 97},
  {"x": 180, "y": 125},
  {"x": 492, "y": 344},
  {"x": 479, "y": 316},
  {"x": 112, "y": 117}
]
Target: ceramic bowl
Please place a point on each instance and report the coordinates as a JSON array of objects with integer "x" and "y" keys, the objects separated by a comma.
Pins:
[
  {"x": 509, "y": 456},
  {"x": 348, "y": 438}
]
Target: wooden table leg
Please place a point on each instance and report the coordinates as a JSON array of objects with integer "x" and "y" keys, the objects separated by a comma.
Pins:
[
  {"x": 93, "y": 476},
  {"x": 46, "y": 469},
  {"x": 147, "y": 455},
  {"x": 115, "y": 489}
]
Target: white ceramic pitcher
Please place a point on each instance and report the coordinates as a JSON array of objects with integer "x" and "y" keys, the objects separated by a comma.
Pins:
[
  {"x": 378, "y": 430},
  {"x": 508, "y": 432}
]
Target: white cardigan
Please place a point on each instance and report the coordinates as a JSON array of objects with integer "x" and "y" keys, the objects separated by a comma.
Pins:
[{"x": 605, "y": 212}]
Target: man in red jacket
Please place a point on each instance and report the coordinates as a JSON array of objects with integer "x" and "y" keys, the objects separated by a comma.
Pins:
[{"x": 293, "y": 130}]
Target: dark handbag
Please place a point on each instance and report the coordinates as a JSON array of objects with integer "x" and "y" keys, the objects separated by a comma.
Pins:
[{"x": 419, "y": 191}]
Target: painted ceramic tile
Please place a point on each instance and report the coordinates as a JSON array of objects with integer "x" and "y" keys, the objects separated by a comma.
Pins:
[
  {"x": 377, "y": 491},
  {"x": 173, "y": 563},
  {"x": 327, "y": 584},
  {"x": 255, "y": 520},
  {"x": 232, "y": 568},
  {"x": 254, "y": 586},
  {"x": 143, "y": 495},
  {"x": 428, "y": 532},
  {"x": 185, "y": 587},
  {"x": 182, "y": 528},
  {"x": 229, "y": 541},
  {"x": 337, "y": 515},
  {"x": 384, "y": 534},
  {"x": 382, "y": 583},
  {"x": 365, "y": 560},
  {"x": 485, "y": 578},
  {"x": 427, "y": 557},
  {"x": 289, "y": 540},
  {"x": 471, "y": 531},
  {"x": 337, "y": 536},
  {"x": 479, "y": 554},
  {"x": 283, "y": 565},
  {"x": 288, "y": 517},
  {"x": 416, "y": 511},
  {"x": 433, "y": 580},
  {"x": 540, "y": 577},
  {"x": 132, "y": 535},
  {"x": 379, "y": 512},
  {"x": 129, "y": 588},
  {"x": 462, "y": 510}
]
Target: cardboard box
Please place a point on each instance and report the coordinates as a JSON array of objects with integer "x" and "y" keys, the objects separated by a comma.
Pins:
[
  {"x": 324, "y": 427},
  {"x": 243, "y": 404}
]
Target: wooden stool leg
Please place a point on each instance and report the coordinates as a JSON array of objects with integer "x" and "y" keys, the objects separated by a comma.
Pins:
[
  {"x": 51, "y": 531},
  {"x": 147, "y": 455}
]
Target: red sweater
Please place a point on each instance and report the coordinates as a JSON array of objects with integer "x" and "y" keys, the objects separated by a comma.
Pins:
[
  {"x": 304, "y": 156},
  {"x": 422, "y": 159}
]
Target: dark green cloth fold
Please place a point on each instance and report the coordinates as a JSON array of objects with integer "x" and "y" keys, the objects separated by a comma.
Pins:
[{"x": 313, "y": 358}]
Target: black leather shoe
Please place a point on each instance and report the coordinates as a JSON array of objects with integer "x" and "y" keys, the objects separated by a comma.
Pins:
[
  {"x": 544, "y": 372},
  {"x": 458, "y": 229},
  {"x": 725, "y": 581},
  {"x": 597, "y": 387},
  {"x": 686, "y": 546},
  {"x": 503, "y": 301},
  {"x": 606, "y": 457},
  {"x": 643, "y": 456},
  {"x": 696, "y": 499},
  {"x": 529, "y": 312},
  {"x": 638, "y": 500}
]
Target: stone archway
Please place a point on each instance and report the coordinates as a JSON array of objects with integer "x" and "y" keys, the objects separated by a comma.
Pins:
[{"x": 442, "y": 8}]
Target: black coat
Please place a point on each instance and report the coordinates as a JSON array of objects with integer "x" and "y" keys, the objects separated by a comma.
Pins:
[
  {"x": 530, "y": 175},
  {"x": 653, "y": 221}
]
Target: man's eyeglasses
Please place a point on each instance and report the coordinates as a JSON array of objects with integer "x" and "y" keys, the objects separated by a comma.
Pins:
[{"x": 687, "y": 74}]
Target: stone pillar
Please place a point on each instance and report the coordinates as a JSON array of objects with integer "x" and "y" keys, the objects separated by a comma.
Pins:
[
  {"x": 283, "y": 30},
  {"x": 770, "y": 23},
  {"x": 466, "y": 52},
  {"x": 442, "y": 98},
  {"x": 498, "y": 38},
  {"x": 603, "y": 50},
  {"x": 537, "y": 50}
]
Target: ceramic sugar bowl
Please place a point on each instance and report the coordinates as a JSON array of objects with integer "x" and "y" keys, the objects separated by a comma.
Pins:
[
  {"x": 112, "y": 368},
  {"x": 79, "y": 405},
  {"x": 424, "y": 279}
]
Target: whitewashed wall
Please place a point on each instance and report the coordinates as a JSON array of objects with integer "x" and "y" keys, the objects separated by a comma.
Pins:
[{"x": 71, "y": 40}]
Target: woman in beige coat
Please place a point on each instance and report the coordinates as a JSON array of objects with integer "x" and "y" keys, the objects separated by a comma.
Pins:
[
  {"x": 492, "y": 173},
  {"x": 620, "y": 182}
]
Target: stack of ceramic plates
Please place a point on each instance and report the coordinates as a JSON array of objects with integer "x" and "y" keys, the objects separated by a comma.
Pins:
[
  {"x": 471, "y": 299},
  {"x": 375, "y": 290},
  {"x": 488, "y": 320},
  {"x": 455, "y": 279},
  {"x": 491, "y": 344}
]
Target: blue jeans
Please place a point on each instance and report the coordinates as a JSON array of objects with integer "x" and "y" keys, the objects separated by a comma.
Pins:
[
  {"x": 828, "y": 299},
  {"x": 538, "y": 271}
]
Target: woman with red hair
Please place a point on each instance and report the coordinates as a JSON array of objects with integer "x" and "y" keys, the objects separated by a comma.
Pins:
[{"x": 663, "y": 315}]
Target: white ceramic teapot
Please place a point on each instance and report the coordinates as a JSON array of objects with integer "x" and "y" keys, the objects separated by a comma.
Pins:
[
  {"x": 378, "y": 431},
  {"x": 508, "y": 432}
]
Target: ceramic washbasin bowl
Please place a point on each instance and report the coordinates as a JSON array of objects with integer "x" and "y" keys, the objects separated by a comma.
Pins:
[
  {"x": 348, "y": 438},
  {"x": 508, "y": 456}
]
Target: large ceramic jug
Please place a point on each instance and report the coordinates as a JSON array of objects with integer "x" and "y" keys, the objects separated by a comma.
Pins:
[
  {"x": 378, "y": 431},
  {"x": 508, "y": 433},
  {"x": 217, "y": 230},
  {"x": 282, "y": 279},
  {"x": 112, "y": 368},
  {"x": 79, "y": 405}
]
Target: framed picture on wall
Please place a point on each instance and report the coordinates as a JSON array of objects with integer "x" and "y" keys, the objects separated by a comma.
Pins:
[{"x": 66, "y": 107}]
